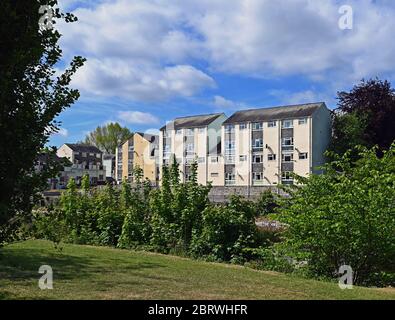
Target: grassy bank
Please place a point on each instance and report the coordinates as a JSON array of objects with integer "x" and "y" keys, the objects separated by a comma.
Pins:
[{"x": 86, "y": 272}]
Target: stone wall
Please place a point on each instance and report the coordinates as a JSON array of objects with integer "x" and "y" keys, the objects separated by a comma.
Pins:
[{"x": 222, "y": 194}]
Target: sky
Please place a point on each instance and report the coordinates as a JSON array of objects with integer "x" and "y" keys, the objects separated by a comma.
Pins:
[{"x": 149, "y": 61}]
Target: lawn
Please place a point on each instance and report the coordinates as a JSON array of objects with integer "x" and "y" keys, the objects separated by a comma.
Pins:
[{"x": 86, "y": 272}]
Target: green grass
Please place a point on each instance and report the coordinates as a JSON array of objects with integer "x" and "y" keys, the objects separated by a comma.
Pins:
[{"x": 86, "y": 272}]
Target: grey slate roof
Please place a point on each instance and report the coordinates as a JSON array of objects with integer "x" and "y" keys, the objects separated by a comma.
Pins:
[
  {"x": 149, "y": 137},
  {"x": 83, "y": 148},
  {"x": 275, "y": 113},
  {"x": 192, "y": 121}
]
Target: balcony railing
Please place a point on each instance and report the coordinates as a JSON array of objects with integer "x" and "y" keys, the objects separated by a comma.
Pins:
[{"x": 230, "y": 182}]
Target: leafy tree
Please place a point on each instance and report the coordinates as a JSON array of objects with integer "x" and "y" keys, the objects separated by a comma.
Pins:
[
  {"x": 365, "y": 116},
  {"x": 345, "y": 217},
  {"x": 108, "y": 137},
  {"x": 31, "y": 96},
  {"x": 266, "y": 203}
]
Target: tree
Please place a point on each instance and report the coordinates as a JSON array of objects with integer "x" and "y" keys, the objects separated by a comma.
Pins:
[
  {"x": 108, "y": 137},
  {"x": 345, "y": 216},
  {"x": 31, "y": 96},
  {"x": 365, "y": 116}
]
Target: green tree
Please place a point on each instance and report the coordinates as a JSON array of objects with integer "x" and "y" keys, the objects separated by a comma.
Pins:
[
  {"x": 31, "y": 97},
  {"x": 364, "y": 116},
  {"x": 108, "y": 137},
  {"x": 345, "y": 216}
]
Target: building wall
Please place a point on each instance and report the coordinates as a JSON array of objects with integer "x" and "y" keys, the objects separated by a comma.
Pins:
[
  {"x": 321, "y": 132},
  {"x": 143, "y": 158},
  {"x": 65, "y": 152}
]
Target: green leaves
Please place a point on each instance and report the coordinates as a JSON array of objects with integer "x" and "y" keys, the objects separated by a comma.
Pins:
[{"x": 345, "y": 217}]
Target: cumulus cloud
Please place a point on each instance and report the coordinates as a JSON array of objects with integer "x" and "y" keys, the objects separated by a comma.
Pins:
[
  {"x": 223, "y": 103},
  {"x": 137, "y": 117},
  {"x": 63, "y": 132},
  {"x": 146, "y": 49}
]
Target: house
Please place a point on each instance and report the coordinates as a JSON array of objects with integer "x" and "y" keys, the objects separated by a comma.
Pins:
[
  {"x": 140, "y": 150},
  {"x": 263, "y": 147},
  {"x": 191, "y": 138},
  {"x": 85, "y": 160}
]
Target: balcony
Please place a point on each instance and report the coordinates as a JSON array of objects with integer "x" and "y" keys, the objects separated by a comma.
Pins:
[{"x": 230, "y": 182}]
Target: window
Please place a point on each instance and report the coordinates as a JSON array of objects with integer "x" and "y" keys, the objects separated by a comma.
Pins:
[
  {"x": 230, "y": 146},
  {"x": 98, "y": 155},
  {"x": 202, "y": 130},
  {"x": 302, "y": 121},
  {"x": 84, "y": 154},
  {"x": 229, "y": 128},
  {"x": 257, "y": 176},
  {"x": 287, "y": 124},
  {"x": 178, "y": 131},
  {"x": 257, "y": 126},
  {"x": 91, "y": 154},
  {"x": 242, "y": 126},
  {"x": 243, "y": 158},
  {"x": 258, "y": 143},
  {"x": 189, "y": 160},
  {"x": 287, "y": 142},
  {"x": 167, "y": 148},
  {"x": 286, "y": 176},
  {"x": 229, "y": 159},
  {"x": 287, "y": 157},
  {"x": 271, "y": 157},
  {"x": 214, "y": 159},
  {"x": 302, "y": 155},
  {"x": 257, "y": 158},
  {"x": 271, "y": 124},
  {"x": 190, "y": 132},
  {"x": 230, "y": 178},
  {"x": 214, "y": 174},
  {"x": 201, "y": 160},
  {"x": 190, "y": 147}
]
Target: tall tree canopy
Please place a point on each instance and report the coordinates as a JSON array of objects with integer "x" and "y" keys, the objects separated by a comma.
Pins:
[
  {"x": 31, "y": 96},
  {"x": 365, "y": 116},
  {"x": 108, "y": 137}
]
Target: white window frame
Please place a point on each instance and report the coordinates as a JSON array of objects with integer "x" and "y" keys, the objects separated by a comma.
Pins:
[
  {"x": 178, "y": 131},
  {"x": 242, "y": 126},
  {"x": 254, "y": 126},
  {"x": 254, "y": 176},
  {"x": 201, "y": 160},
  {"x": 302, "y": 121},
  {"x": 284, "y": 126},
  {"x": 202, "y": 130},
  {"x": 291, "y": 140},
  {"x": 286, "y": 154},
  {"x": 255, "y": 156},
  {"x": 229, "y": 128},
  {"x": 190, "y": 132},
  {"x": 303, "y": 156},
  {"x": 272, "y": 156},
  {"x": 272, "y": 124},
  {"x": 242, "y": 158},
  {"x": 214, "y": 159}
]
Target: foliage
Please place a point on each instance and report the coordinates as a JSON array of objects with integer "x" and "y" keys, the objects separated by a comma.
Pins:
[
  {"x": 365, "y": 116},
  {"x": 108, "y": 137},
  {"x": 227, "y": 230},
  {"x": 31, "y": 96},
  {"x": 345, "y": 217},
  {"x": 266, "y": 203}
]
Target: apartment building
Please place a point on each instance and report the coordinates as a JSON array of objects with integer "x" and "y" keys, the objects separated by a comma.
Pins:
[
  {"x": 189, "y": 139},
  {"x": 262, "y": 147},
  {"x": 140, "y": 150},
  {"x": 84, "y": 160}
]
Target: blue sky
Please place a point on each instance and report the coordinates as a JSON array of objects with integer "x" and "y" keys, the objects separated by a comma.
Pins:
[{"x": 152, "y": 60}]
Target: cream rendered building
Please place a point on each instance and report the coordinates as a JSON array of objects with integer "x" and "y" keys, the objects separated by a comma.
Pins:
[
  {"x": 193, "y": 138},
  {"x": 262, "y": 147},
  {"x": 139, "y": 150}
]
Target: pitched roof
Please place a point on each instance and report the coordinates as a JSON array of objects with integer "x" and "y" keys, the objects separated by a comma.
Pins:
[
  {"x": 148, "y": 137},
  {"x": 83, "y": 148},
  {"x": 192, "y": 121},
  {"x": 275, "y": 113}
]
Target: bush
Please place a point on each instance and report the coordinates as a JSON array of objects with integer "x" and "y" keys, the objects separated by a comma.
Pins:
[{"x": 345, "y": 216}]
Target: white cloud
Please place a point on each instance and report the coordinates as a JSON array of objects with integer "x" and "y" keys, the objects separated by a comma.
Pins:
[
  {"x": 152, "y": 131},
  {"x": 63, "y": 132},
  {"x": 137, "y": 117},
  {"x": 223, "y": 103},
  {"x": 146, "y": 49}
]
